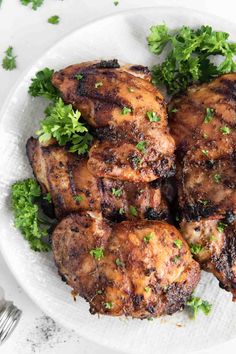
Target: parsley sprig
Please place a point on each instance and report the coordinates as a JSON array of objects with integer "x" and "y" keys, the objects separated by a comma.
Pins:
[
  {"x": 196, "y": 304},
  {"x": 34, "y": 3},
  {"x": 9, "y": 61},
  {"x": 24, "y": 197},
  {"x": 188, "y": 59}
]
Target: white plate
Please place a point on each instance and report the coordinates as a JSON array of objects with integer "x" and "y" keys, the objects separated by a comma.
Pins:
[{"x": 124, "y": 37}]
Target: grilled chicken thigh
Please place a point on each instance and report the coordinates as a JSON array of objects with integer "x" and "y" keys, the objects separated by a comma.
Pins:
[
  {"x": 203, "y": 123},
  {"x": 73, "y": 188},
  {"x": 128, "y": 115},
  {"x": 137, "y": 268}
]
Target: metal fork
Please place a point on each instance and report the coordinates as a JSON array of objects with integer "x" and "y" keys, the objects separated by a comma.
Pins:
[{"x": 9, "y": 317}]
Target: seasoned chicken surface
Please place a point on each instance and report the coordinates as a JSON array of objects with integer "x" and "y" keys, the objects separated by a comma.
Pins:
[
  {"x": 137, "y": 268},
  {"x": 128, "y": 115},
  {"x": 203, "y": 124},
  {"x": 73, "y": 188}
]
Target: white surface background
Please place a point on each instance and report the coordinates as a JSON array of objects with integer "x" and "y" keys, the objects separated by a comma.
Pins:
[{"x": 30, "y": 35}]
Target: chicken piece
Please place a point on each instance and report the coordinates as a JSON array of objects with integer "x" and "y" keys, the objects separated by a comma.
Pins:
[
  {"x": 73, "y": 188},
  {"x": 125, "y": 110},
  {"x": 204, "y": 119},
  {"x": 214, "y": 245},
  {"x": 137, "y": 268},
  {"x": 206, "y": 187},
  {"x": 203, "y": 126}
]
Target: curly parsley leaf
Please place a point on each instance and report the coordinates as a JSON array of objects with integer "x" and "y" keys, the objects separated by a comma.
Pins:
[
  {"x": 62, "y": 123},
  {"x": 187, "y": 59},
  {"x": 34, "y": 3},
  {"x": 9, "y": 61},
  {"x": 24, "y": 197},
  {"x": 41, "y": 85},
  {"x": 196, "y": 304},
  {"x": 54, "y": 20}
]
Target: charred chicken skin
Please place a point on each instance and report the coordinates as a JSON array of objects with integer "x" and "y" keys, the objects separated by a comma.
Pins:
[
  {"x": 73, "y": 188},
  {"x": 134, "y": 268},
  {"x": 203, "y": 124},
  {"x": 128, "y": 115}
]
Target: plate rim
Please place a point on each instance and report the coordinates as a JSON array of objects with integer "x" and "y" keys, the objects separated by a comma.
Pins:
[{"x": 28, "y": 290}]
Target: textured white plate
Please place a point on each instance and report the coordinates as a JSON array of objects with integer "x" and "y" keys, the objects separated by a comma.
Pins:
[{"x": 124, "y": 37}]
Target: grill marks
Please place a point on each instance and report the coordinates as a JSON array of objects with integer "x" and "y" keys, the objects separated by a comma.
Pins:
[
  {"x": 206, "y": 173},
  {"x": 115, "y": 101}
]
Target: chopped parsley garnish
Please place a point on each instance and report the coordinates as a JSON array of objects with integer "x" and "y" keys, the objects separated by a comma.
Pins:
[
  {"x": 205, "y": 152},
  {"x": 78, "y": 198},
  {"x": 133, "y": 211},
  {"x": 141, "y": 146},
  {"x": 176, "y": 259},
  {"x": 173, "y": 110},
  {"x": 117, "y": 192},
  {"x": 221, "y": 226},
  {"x": 196, "y": 248},
  {"x": 213, "y": 238},
  {"x": 130, "y": 89},
  {"x": 97, "y": 253},
  {"x": 196, "y": 304},
  {"x": 108, "y": 305},
  {"x": 41, "y": 85},
  {"x": 48, "y": 197},
  {"x": 205, "y": 136},
  {"x": 34, "y": 3},
  {"x": 148, "y": 237},
  {"x": 121, "y": 211},
  {"x": 9, "y": 61},
  {"x": 204, "y": 202},
  {"x": 98, "y": 84},
  {"x": 217, "y": 178},
  {"x": 225, "y": 130},
  {"x": 189, "y": 56},
  {"x": 62, "y": 123},
  {"x": 119, "y": 263},
  {"x": 178, "y": 243},
  {"x": 99, "y": 292},
  {"x": 79, "y": 77},
  {"x": 209, "y": 115},
  {"x": 54, "y": 20},
  {"x": 116, "y": 2},
  {"x": 153, "y": 117},
  {"x": 126, "y": 111},
  {"x": 147, "y": 289},
  {"x": 150, "y": 318},
  {"x": 24, "y": 200}
]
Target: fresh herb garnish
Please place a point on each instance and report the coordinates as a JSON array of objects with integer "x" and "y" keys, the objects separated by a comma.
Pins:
[
  {"x": 79, "y": 77},
  {"x": 48, "y": 197},
  {"x": 196, "y": 248},
  {"x": 189, "y": 57},
  {"x": 116, "y": 2},
  {"x": 209, "y": 115},
  {"x": 205, "y": 152},
  {"x": 99, "y": 292},
  {"x": 178, "y": 243},
  {"x": 121, "y": 211},
  {"x": 108, "y": 305},
  {"x": 153, "y": 117},
  {"x": 119, "y": 263},
  {"x": 54, "y": 20},
  {"x": 147, "y": 289},
  {"x": 225, "y": 130},
  {"x": 41, "y": 85},
  {"x": 196, "y": 304},
  {"x": 221, "y": 226},
  {"x": 148, "y": 237},
  {"x": 173, "y": 110},
  {"x": 204, "y": 202},
  {"x": 116, "y": 192},
  {"x": 133, "y": 211},
  {"x": 9, "y": 61},
  {"x": 176, "y": 259},
  {"x": 34, "y": 3},
  {"x": 126, "y": 110},
  {"x": 97, "y": 253},
  {"x": 141, "y": 146},
  {"x": 217, "y": 178},
  {"x": 24, "y": 197},
  {"x": 78, "y": 198},
  {"x": 62, "y": 123},
  {"x": 98, "y": 84}
]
